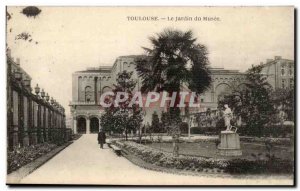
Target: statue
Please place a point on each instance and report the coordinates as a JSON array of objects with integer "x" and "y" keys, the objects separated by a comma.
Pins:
[
  {"x": 227, "y": 117},
  {"x": 230, "y": 140}
]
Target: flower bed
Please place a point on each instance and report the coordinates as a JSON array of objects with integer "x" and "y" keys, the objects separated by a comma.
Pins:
[
  {"x": 198, "y": 164},
  {"x": 22, "y": 156}
]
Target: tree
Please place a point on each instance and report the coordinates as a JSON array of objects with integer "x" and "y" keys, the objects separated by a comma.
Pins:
[
  {"x": 283, "y": 100},
  {"x": 155, "y": 125},
  {"x": 254, "y": 103},
  {"x": 165, "y": 121},
  {"x": 121, "y": 117},
  {"x": 173, "y": 60},
  {"x": 30, "y": 11}
]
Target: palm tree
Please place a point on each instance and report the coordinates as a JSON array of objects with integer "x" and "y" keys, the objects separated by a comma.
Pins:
[{"x": 174, "y": 60}]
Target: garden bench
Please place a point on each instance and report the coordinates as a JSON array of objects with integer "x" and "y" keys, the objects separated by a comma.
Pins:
[
  {"x": 233, "y": 128},
  {"x": 116, "y": 149},
  {"x": 120, "y": 144},
  {"x": 108, "y": 142}
]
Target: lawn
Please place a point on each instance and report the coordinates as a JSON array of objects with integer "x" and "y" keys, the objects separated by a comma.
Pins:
[{"x": 208, "y": 149}]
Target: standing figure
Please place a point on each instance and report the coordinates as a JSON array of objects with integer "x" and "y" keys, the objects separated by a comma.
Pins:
[
  {"x": 227, "y": 117},
  {"x": 101, "y": 138}
]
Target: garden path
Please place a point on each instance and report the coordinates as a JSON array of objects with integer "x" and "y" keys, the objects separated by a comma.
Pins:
[{"x": 83, "y": 162}]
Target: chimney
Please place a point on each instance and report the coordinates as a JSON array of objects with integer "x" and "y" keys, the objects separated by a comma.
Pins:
[
  {"x": 18, "y": 61},
  {"x": 269, "y": 60},
  {"x": 277, "y": 57}
]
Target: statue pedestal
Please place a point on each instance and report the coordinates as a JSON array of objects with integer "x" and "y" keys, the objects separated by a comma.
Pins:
[{"x": 230, "y": 144}]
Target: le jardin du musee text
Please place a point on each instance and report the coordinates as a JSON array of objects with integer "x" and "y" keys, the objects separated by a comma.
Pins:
[{"x": 172, "y": 18}]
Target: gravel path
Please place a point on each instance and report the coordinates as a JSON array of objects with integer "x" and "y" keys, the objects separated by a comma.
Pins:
[{"x": 83, "y": 162}]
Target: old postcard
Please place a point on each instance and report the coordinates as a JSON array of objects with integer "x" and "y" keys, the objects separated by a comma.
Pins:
[{"x": 150, "y": 95}]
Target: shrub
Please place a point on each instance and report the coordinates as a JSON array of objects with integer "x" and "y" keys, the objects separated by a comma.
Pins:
[
  {"x": 278, "y": 166},
  {"x": 22, "y": 156},
  {"x": 184, "y": 127},
  {"x": 204, "y": 130},
  {"x": 268, "y": 131},
  {"x": 233, "y": 166}
]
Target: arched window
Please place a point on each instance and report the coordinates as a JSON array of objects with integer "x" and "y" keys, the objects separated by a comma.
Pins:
[
  {"x": 282, "y": 69},
  {"x": 88, "y": 93}
]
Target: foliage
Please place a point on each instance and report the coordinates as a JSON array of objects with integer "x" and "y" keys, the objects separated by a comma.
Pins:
[
  {"x": 283, "y": 100},
  {"x": 165, "y": 159},
  {"x": 155, "y": 125},
  {"x": 24, "y": 36},
  {"x": 165, "y": 121},
  {"x": 253, "y": 104},
  {"x": 198, "y": 164},
  {"x": 205, "y": 130},
  {"x": 184, "y": 127},
  {"x": 22, "y": 156},
  {"x": 174, "y": 59},
  {"x": 31, "y": 11},
  {"x": 270, "y": 130},
  {"x": 122, "y": 117},
  {"x": 244, "y": 166}
]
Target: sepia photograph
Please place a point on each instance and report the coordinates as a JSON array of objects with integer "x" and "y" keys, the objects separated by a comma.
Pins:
[{"x": 150, "y": 96}]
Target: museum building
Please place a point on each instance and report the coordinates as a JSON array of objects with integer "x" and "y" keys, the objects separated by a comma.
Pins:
[{"x": 88, "y": 85}]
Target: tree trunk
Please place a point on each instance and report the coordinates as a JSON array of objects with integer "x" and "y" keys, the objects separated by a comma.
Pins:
[
  {"x": 175, "y": 118},
  {"x": 140, "y": 135}
]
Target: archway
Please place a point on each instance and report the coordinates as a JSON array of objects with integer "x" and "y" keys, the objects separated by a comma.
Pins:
[
  {"x": 81, "y": 125},
  {"x": 222, "y": 90},
  {"x": 94, "y": 125}
]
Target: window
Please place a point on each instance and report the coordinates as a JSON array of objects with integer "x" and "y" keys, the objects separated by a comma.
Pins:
[
  {"x": 283, "y": 84},
  {"x": 291, "y": 83},
  {"x": 290, "y": 69},
  {"x": 88, "y": 93},
  {"x": 282, "y": 70},
  {"x": 202, "y": 100}
]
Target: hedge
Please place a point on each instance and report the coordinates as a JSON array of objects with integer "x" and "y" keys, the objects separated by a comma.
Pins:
[
  {"x": 205, "y": 130},
  {"x": 268, "y": 131}
]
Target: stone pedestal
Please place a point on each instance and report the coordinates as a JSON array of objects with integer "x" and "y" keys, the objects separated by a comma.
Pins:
[{"x": 230, "y": 144}]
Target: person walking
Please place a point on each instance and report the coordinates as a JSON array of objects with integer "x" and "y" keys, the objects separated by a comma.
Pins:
[{"x": 101, "y": 138}]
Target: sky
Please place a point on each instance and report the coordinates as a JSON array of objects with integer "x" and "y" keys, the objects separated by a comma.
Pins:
[{"x": 71, "y": 39}]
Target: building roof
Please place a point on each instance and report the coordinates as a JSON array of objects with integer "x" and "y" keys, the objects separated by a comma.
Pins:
[
  {"x": 277, "y": 58},
  {"x": 108, "y": 69},
  {"x": 103, "y": 69}
]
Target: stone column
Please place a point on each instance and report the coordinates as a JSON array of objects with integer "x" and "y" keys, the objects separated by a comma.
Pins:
[
  {"x": 75, "y": 126},
  {"x": 99, "y": 124},
  {"x": 88, "y": 128},
  {"x": 25, "y": 121},
  {"x": 15, "y": 121},
  {"x": 41, "y": 123}
]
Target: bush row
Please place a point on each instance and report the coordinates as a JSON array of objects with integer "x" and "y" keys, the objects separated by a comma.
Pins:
[
  {"x": 268, "y": 131},
  {"x": 166, "y": 159},
  {"x": 234, "y": 166},
  {"x": 22, "y": 156}
]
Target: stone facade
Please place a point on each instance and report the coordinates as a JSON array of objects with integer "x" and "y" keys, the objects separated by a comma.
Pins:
[
  {"x": 90, "y": 84},
  {"x": 279, "y": 72}
]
